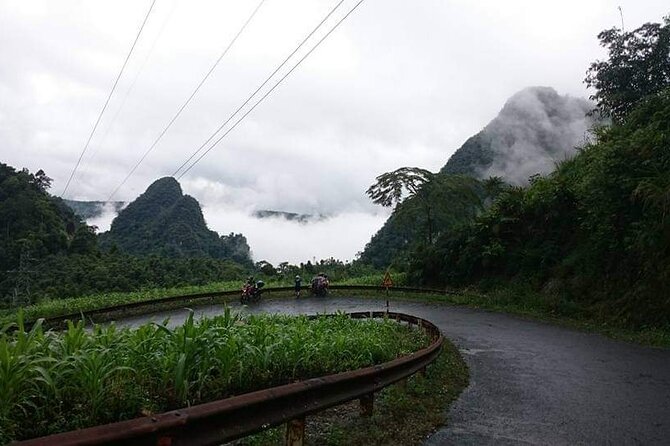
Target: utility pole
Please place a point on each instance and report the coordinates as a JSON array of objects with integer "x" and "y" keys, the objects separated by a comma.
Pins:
[
  {"x": 21, "y": 292},
  {"x": 621, "y": 14}
]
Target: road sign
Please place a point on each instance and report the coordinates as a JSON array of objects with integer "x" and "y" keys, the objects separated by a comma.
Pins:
[{"x": 387, "y": 282}]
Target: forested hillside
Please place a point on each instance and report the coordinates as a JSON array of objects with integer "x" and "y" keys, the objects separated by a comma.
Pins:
[
  {"x": 536, "y": 129},
  {"x": 34, "y": 225},
  {"x": 46, "y": 251},
  {"x": 163, "y": 221},
  {"x": 592, "y": 238},
  {"x": 594, "y": 235},
  {"x": 436, "y": 203}
]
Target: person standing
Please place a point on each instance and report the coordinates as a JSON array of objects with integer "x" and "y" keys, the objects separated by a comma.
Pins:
[{"x": 298, "y": 284}]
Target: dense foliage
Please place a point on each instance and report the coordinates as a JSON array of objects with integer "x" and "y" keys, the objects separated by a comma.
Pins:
[
  {"x": 78, "y": 275},
  {"x": 436, "y": 204},
  {"x": 593, "y": 235},
  {"x": 536, "y": 128},
  {"x": 33, "y": 225},
  {"x": 46, "y": 251},
  {"x": 165, "y": 222},
  {"x": 638, "y": 66},
  {"x": 590, "y": 239},
  {"x": 52, "y": 382}
]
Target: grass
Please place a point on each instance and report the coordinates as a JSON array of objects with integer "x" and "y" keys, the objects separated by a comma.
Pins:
[
  {"x": 404, "y": 414},
  {"x": 48, "y": 308},
  {"x": 58, "y": 381}
]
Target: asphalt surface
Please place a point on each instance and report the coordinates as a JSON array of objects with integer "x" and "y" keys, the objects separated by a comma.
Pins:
[{"x": 530, "y": 382}]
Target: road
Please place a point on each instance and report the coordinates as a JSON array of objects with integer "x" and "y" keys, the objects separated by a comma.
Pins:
[{"x": 530, "y": 382}]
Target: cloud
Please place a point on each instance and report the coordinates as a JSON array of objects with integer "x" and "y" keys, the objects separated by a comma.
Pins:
[
  {"x": 277, "y": 239},
  {"x": 398, "y": 84},
  {"x": 103, "y": 220},
  {"x": 536, "y": 129}
]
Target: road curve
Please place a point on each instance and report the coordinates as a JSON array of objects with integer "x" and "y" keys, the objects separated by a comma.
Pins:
[{"x": 530, "y": 382}]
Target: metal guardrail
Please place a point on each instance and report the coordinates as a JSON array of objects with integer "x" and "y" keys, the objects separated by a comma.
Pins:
[
  {"x": 192, "y": 298},
  {"x": 225, "y": 420}
]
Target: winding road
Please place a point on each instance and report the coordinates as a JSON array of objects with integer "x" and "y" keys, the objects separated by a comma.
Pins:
[{"x": 530, "y": 382}]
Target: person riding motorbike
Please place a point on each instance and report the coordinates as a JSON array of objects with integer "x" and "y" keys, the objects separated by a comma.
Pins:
[
  {"x": 251, "y": 292},
  {"x": 320, "y": 285}
]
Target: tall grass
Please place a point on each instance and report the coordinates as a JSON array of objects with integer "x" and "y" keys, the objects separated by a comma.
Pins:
[
  {"x": 57, "y": 381},
  {"x": 55, "y": 307}
]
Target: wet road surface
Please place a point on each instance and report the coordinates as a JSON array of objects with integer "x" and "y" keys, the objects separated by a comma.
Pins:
[{"x": 530, "y": 382}]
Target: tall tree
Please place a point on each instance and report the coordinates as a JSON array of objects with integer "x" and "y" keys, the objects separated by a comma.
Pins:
[
  {"x": 416, "y": 194},
  {"x": 638, "y": 66}
]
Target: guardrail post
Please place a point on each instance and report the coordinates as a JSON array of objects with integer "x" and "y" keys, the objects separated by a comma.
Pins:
[
  {"x": 367, "y": 404},
  {"x": 295, "y": 432}
]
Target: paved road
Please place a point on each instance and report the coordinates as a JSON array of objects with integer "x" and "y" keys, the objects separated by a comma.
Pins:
[{"x": 530, "y": 382}]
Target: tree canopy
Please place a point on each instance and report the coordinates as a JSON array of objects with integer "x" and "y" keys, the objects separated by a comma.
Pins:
[
  {"x": 426, "y": 204},
  {"x": 638, "y": 65}
]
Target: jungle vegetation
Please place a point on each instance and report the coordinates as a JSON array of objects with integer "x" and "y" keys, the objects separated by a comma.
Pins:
[{"x": 591, "y": 238}]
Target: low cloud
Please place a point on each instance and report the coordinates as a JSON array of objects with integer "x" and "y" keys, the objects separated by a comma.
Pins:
[
  {"x": 103, "y": 220},
  {"x": 536, "y": 129},
  {"x": 277, "y": 239}
]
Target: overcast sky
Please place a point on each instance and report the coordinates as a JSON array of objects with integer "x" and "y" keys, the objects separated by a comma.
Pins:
[{"x": 399, "y": 83}]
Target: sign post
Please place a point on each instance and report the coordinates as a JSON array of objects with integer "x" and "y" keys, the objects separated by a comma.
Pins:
[{"x": 387, "y": 283}]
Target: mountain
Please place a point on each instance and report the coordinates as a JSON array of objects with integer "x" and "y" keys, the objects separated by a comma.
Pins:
[
  {"x": 536, "y": 128},
  {"x": 34, "y": 225},
  {"x": 290, "y": 216},
  {"x": 166, "y": 222},
  {"x": 93, "y": 209}
]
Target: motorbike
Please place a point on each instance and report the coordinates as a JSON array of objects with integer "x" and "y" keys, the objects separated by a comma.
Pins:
[
  {"x": 251, "y": 293},
  {"x": 319, "y": 286}
]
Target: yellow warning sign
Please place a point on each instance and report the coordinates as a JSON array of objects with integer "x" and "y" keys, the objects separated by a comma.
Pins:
[{"x": 387, "y": 282}]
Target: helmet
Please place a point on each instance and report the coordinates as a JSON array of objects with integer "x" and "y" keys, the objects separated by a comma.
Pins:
[
  {"x": 297, "y": 277},
  {"x": 260, "y": 284}
]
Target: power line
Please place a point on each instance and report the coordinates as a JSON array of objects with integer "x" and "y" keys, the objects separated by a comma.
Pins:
[
  {"x": 174, "y": 118},
  {"x": 125, "y": 62},
  {"x": 259, "y": 88},
  {"x": 270, "y": 91},
  {"x": 132, "y": 84}
]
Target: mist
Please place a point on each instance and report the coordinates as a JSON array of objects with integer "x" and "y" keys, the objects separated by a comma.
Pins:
[
  {"x": 277, "y": 239},
  {"x": 536, "y": 129},
  {"x": 103, "y": 220}
]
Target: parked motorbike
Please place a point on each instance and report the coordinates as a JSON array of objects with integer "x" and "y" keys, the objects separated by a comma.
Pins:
[{"x": 251, "y": 293}]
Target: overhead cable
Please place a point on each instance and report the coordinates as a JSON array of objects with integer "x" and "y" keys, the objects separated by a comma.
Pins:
[
  {"x": 134, "y": 81},
  {"x": 95, "y": 126},
  {"x": 270, "y": 91},
  {"x": 251, "y": 96},
  {"x": 183, "y": 106}
]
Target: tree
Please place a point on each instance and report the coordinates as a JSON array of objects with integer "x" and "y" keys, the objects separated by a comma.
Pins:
[
  {"x": 638, "y": 66},
  {"x": 266, "y": 268},
  {"x": 442, "y": 200},
  {"x": 390, "y": 188},
  {"x": 42, "y": 181}
]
